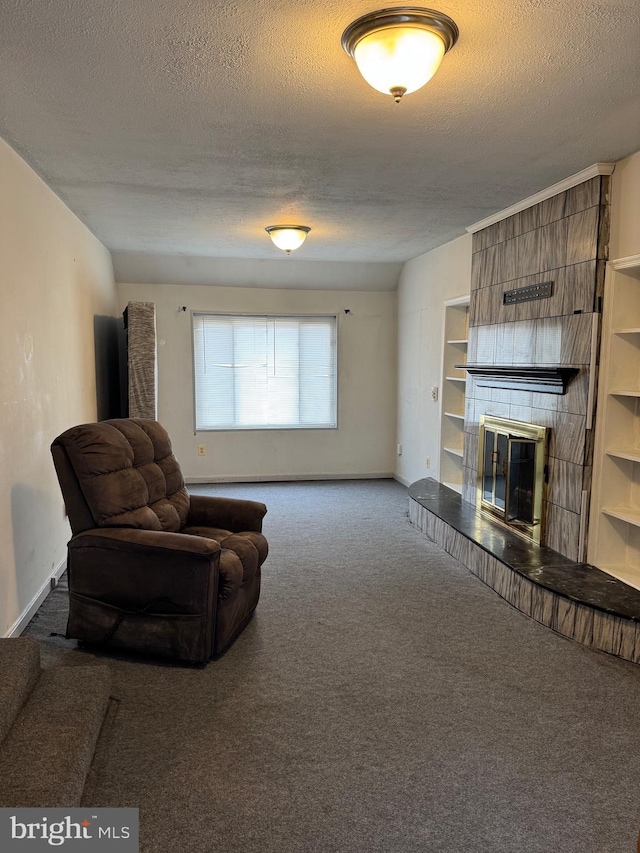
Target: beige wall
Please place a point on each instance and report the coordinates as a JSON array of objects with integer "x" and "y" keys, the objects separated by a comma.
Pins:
[
  {"x": 363, "y": 444},
  {"x": 625, "y": 208},
  {"x": 425, "y": 282},
  {"x": 56, "y": 277}
]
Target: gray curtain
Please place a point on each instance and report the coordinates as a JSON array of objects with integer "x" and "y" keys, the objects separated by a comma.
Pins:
[{"x": 140, "y": 321}]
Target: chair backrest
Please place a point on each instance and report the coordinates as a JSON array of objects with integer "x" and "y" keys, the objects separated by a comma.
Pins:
[{"x": 120, "y": 473}]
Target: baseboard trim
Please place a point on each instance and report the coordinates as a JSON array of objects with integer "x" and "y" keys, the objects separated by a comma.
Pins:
[
  {"x": 27, "y": 615},
  {"x": 402, "y": 480},
  {"x": 287, "y": 478}
]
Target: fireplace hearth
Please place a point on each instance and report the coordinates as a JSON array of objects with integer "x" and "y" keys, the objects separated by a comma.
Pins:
[{"x": 511, "y": 474}]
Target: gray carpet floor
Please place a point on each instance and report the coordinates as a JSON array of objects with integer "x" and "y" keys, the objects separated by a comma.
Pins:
[{"x": 382, "y": 699}]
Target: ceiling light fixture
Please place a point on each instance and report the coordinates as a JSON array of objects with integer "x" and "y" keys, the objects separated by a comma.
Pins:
[
  {"x": 288, "y": 237},
  {"x": 399, "y": 50}
]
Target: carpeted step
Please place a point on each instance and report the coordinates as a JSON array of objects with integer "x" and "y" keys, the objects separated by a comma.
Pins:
[
  {"x": 46, "y": 756},
  {"x": 19, "y": 672}
]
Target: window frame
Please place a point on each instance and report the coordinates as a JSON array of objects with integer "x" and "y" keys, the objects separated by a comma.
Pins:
[{"x": 331, "y": 315}]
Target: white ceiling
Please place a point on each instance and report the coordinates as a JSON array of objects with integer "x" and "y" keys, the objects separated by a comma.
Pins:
[{"x": 185, "y": 127}]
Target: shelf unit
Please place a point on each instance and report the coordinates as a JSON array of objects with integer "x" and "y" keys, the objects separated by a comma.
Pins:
[
  {"x": 614, "y": 531},
  {"x": 452, "y": 393}
]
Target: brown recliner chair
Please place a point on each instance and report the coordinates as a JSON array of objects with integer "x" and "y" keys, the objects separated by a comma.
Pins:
[{"x": 152, "y": 568}]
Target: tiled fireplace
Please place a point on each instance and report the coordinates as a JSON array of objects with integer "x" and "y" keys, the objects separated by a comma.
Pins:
[
  {"x": 517, "y": 323},
  {"x": 532, "y": 363}
]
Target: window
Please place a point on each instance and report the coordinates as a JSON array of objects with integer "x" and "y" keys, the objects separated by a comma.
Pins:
[{"x": 264, "y": 372}]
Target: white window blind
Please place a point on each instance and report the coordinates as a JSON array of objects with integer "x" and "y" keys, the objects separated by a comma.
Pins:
[{"x": 264, "y": 372}]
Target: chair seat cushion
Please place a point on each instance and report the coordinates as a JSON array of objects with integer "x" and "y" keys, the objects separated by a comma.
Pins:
[{"x": 251, "y": 547}]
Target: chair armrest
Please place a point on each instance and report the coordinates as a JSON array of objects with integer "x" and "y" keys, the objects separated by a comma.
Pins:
[
  {"x": 227, "y": 513},
  {"x": 129, "y": 568},
  {"x": 145, "y": 590}
]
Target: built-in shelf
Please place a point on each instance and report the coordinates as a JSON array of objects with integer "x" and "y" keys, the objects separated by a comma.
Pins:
[
  {"x": 629, "y": 514},
  {"x": 614, "y": 530},
  {"x": 625, "y": 453},
  {"x": 452, "y": 391},
  {"x": 457, "y": 451},
  {"x": 624, "y": 573}
]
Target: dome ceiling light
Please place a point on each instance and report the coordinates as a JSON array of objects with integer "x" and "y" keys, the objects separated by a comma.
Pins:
[
  {"x": 398, "y": 50},
  {"x": 288, "y": 237}
]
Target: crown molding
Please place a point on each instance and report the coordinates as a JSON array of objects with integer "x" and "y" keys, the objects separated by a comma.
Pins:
[{"x": 549, "y": 192}]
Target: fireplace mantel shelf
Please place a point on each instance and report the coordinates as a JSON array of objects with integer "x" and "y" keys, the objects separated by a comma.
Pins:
[{"x": 552, "y": 379}]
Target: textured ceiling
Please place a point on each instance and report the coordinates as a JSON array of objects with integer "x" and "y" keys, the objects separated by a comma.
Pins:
[{"x": 187, "y": 126}]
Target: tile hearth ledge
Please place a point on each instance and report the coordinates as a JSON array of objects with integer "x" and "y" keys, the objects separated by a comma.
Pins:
[{"x": 577, "y": 600}]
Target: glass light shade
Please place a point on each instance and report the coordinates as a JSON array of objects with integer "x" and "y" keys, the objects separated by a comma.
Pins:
[
  {"x": 399, "y": 58},
  {"x": 288, "y": 237}
]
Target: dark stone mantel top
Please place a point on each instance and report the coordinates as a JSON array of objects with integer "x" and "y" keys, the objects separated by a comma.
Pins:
[{"x": 579, "y": 582}]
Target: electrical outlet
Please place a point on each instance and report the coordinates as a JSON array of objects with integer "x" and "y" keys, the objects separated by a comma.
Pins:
[
  {"x": 399, "y": 449},
  {"x": 434, "y": 392},
  {"x": 428, "y": 462},
  {"x": 202, "y": 450}
]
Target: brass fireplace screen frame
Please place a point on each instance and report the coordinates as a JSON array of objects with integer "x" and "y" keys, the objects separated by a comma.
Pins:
[{"x": 514, "y": 447}]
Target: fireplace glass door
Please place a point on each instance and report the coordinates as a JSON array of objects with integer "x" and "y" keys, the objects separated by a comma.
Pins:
[
  {"x": 494, "y": 473},
  {"x": 521, "y": 467},
  {"x": 511, "y": 473}
]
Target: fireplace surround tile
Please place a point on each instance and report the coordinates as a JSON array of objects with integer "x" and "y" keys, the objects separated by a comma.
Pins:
[
  {"x": 500, "y": 395},
  {"x": 470, "y": 458},
  {"x": 582, "y": 196},
  {"x": 520, "y": 413},
  {"x": 529, "y": 219},
  {"x": 563, "y": 530},
  {"x": 524, "y": 342},
  {"x": 507, "y": 262},
  {"x": 582, "y": 236},
  {"x": 471, "y": 421},
  {"x": 564, "y": 488},
  {"x": 552, "y": 209},
  {"x": 521, "y": 398},
  {"x": 550, "y": 334},
  {"x": 505, "y": 337},
  {"x": 498, "y": 410},
  {"x": 488, "y": 266},
  {"x": 575, "y": 400},
  {"x": 575, "y": 283},
  {"x": 482, "y": 392},
  {"x": 546, "y": 402},
  {"x": 568, "y": 437},
  {"x": 553, "y": 246},
  {"x": 528, "y": 253},
  {"x": 576, "y": 339},
  {"x": 485, "y": 337}
]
